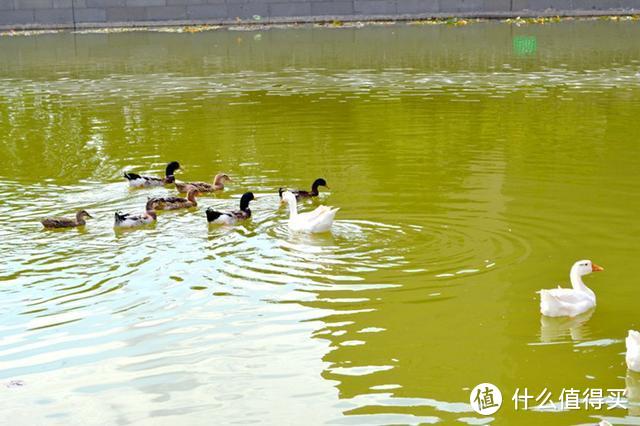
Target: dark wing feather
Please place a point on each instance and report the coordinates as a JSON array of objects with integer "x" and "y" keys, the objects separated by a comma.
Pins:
[
  {"x": 213, "y": 215},
  {"x": 302, "y": 194},
  {"x": 152, "y": 179},
  {"x": 121, "y": 216},
  {"x": 132, "y": 176}
]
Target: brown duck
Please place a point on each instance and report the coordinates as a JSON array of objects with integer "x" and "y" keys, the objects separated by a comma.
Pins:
[
  {"x": 218, "y": 184},
  {"x": 174, "y": 203},
  {"x": 65, "y": 222}
]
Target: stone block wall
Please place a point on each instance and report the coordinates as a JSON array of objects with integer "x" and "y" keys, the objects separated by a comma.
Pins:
[{"x": 20, "y": 14}]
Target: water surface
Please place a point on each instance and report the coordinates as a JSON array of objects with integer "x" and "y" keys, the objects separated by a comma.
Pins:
[{"x": 472, "y": 165}]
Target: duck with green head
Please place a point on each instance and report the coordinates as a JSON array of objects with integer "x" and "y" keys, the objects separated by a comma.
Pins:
[
  {"x": 139, "y": 181},
  {"x": 301, "y": 194}
]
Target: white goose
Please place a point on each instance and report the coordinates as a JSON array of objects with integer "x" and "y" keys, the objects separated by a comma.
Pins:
[
  {"x": 319, "y": 220},
  {"x": 569, "y": 302},
  {"x": 633, "y": 351}
]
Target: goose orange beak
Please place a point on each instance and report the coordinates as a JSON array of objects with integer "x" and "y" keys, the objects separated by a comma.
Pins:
[{"x": 596, "y": 268}]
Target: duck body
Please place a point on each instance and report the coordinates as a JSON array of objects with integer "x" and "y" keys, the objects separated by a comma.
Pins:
[
  {"x": 570, "y": 302},
  {"x": 565, "y": 302},
  {"x": 139, "y": 181},
  {"x": 317, "y": 221},
  {"x": 66, "y": 222},
  {"x": 204, "y": 187},
  {"x": 232, "y": 217},
  {"x": 301, "y": 195},
  {"x": 130, "y": 220},
  {"x": 633, "y": 351},
  {"x": 175, "y": 203}
]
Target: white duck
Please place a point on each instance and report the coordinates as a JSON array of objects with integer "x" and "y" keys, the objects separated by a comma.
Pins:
[
  {"x": 633, "y": 351},
  {"x": 319, "y": 220},
  {"x": 569, "y": 302}
]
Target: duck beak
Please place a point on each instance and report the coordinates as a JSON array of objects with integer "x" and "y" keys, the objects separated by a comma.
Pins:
[{"x": 596, "y": 268}]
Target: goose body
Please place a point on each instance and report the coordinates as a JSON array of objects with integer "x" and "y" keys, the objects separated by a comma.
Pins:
[
  {"x": 66, "y": 222},
  {"x": 232, "y": 217},
  {"x": 218, "y": 184},
  {"x": 633, "y": 351},
  {"x": 138, "y": 181},
  {"x": 174, "y": 203},
  {"x": 300, "y": 194},
  {"x": 570, "y": 302},
  {"x": 129, "y": 220},
  {"x": 319, "y": 220}
]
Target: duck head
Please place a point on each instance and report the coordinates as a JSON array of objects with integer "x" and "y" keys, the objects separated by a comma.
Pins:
[
  {"x": 585, "y": 267},
  {"x": 83, "y": 214},
  {"x": 221, "y": 178},
  {"x": 149, "y": 208},
  {"x": 246, "y": 198},
  {"x": 192, "y": 193},
  {"x": 319, "y": 182},
  {"x": 171, "y": 168}
]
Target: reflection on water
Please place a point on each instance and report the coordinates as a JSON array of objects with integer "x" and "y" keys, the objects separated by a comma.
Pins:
[
  {"x": 469, "y": 175},
  {"x": 633, "y": 393},
  {"x": 554, "y": 329}
]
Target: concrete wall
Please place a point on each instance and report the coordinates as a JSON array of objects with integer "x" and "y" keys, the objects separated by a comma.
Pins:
[{"x": 90, "y": 13}]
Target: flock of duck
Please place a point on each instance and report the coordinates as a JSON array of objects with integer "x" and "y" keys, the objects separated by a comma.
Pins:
[
  {"x": 559, "y": 302},
  {"x": 318, "y": 220}
]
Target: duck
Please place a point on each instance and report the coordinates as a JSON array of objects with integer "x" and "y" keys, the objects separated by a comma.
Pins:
[
  {"x": 218, "y": 184},
  {"x": 319, "y": 220},
  {"x": 231, "y": 217},
  {"x": 633, "y": 351},
  {"x": 305, "y": 194},
  {"x": 138, "y": 181},
  {"x": 174, "y": 203},
  {"x": 66, "y": 222},
  {"x": 129, "y": 220},
  {"x": 570, "y": 302}
]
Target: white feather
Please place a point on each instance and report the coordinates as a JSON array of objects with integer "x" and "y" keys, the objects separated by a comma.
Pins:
[
  {"x": 224, "y": 219},
  {"x": 633, "y": 351},
  {"x": 319, "y": 220},
  {"x": 134, "y": 220}
]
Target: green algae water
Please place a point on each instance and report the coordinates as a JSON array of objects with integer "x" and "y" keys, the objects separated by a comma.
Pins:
[{"x": 472, "y": 166}]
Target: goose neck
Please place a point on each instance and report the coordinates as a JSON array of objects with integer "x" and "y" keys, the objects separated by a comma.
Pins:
[
  {"x": 577, "y": 284},
  {"x": 293, "y": 207}
]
